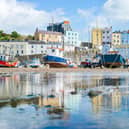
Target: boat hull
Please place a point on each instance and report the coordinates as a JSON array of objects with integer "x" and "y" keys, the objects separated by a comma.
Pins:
[
  {"x": 57, "y": 65},
  {"x": 8, "y": 64},
  {"x": 55, "y": 61},
  {"x": 112, "y": 60}
]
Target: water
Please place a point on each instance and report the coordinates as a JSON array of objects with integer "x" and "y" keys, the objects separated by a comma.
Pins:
[{"x": 25, "y": 101}]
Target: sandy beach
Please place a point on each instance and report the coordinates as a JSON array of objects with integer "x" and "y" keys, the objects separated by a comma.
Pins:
[{"x": 6, "y": 70}]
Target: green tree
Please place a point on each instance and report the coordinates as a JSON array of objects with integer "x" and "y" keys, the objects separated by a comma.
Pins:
[
  {"x": 15, "y": 35},
  {"x": 1, "y": 32},
  {"x": 29, "y": 37}
]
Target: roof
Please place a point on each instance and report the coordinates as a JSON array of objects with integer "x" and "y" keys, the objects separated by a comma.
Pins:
[
  {"x": 49, "y": 32},
  {"x": 42, "y": 42}
]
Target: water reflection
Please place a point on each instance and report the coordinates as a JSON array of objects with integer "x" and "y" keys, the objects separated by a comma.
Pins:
[
  {"x": 110, "y": 101},
  {"x": 59, "y": 100}
]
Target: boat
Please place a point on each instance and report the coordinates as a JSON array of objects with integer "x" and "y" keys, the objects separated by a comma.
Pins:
[
  {"x": 34, "y": 63},
  {"x": 56, "y": 58},
  {"x": 56, "y": 61},
  {"x": 7, "y": 61},
  {"x": 112, "y": 59}
]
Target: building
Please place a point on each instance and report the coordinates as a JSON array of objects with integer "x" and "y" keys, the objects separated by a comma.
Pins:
[
  {"x": 125, "y": 37},
  {"x": 33, "y": 48},
  {"x": 116, "y": 38},
  {"x": 86, "y": 44},
  {"x": 107, "y": 35},
  {"x": 71, "y": 38},
  {"x": 48, "y": 36},
  {"x": 14, "y": 48},
  {"x": 96, "y": 37},
  {"x": 59, "y": 27}
]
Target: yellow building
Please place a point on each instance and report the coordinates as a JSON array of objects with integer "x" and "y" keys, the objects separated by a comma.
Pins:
[
  {"x": 48, "y": 36},
  {"x": 97, "y": 37}
]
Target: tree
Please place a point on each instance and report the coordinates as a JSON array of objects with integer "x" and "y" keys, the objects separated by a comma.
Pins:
[
  {"x": 15, "y": 35},
  {"x": 29, "y": 37},
  {"x": 1, "y": 32}
]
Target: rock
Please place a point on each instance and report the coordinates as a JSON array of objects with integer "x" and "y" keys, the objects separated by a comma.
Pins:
[{"x": 94, "y": 93}]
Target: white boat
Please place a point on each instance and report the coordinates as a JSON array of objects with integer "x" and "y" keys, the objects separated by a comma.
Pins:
[{"x": 34, "y": 63}]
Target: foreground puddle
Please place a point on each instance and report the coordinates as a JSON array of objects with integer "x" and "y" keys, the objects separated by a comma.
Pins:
[{"x": 60, "y": 101}]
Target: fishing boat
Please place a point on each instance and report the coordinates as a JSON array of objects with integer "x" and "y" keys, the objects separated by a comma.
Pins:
[
  {"x": 112, "y": 59},
  {"x": 35, "y": 63},
  {"x": 56, "y": 61},
  {"x": 55, "y": 58},
  {"x": 7, "y": 61}
]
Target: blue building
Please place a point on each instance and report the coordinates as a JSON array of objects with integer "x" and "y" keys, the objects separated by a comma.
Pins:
[{"x": 125, "y": 37}]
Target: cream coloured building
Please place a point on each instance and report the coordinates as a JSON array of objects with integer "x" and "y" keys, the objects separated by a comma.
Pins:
[
  {"x": 97, "y": 37},
  {"x": 48, "y": 36},
  {"x": 116, "y": 38}
]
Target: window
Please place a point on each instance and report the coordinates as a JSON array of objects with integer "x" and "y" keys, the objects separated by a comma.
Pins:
[
  {"x": 31, "y": 51},
  {"x": 21, "y": 46},
  {"x": 32, "y": 46},
  {"x": 22, "y": 52},
  {"x": 53, "y": 50},
  {"x": 41, "y": 46}
]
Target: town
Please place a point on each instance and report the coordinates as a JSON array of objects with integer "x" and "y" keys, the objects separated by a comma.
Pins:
[
  {"x": 63, "y": 47},
  {"x": 64, "y": 64}
]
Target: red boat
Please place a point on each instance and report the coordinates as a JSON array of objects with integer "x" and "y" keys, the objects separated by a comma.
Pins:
[{"x": 6, "y": 61}]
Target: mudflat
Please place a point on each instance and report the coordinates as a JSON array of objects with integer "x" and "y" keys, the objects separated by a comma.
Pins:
[{"x": 6, "y": 70}]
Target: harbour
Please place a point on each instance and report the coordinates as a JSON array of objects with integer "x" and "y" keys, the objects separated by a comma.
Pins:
[{"x": 63, "y": 66}]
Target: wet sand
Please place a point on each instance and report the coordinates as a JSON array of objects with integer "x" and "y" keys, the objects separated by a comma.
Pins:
[{"x": 6, "y": 70}]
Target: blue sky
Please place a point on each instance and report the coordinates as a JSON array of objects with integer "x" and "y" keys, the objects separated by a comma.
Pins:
[{"x": 25, "y": 15}]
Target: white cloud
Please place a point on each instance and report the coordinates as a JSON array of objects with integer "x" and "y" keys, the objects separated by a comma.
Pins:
[
  {"x": 24, "y": 17},
  {"x": 112, "y": 12},
  {"x": 88, "y": 13},
  {"x": 117, "y": 9}
]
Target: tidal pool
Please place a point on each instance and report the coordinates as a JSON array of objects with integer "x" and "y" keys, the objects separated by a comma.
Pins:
[{"x": 60, "y": 101}]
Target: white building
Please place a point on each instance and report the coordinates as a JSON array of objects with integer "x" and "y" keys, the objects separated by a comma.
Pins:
[
  {"x": 107, "y": 35},
  {"x": 71, "y": 38},
  {"x": 14, "y": 48},
  {"x": 33, "y": 48}
]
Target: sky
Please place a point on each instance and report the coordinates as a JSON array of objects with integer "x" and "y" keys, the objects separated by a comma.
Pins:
[{"x": 24, "y": 16}]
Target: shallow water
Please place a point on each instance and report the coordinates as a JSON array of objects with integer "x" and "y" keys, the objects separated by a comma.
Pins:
[{"x": 26, "y": 100}]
